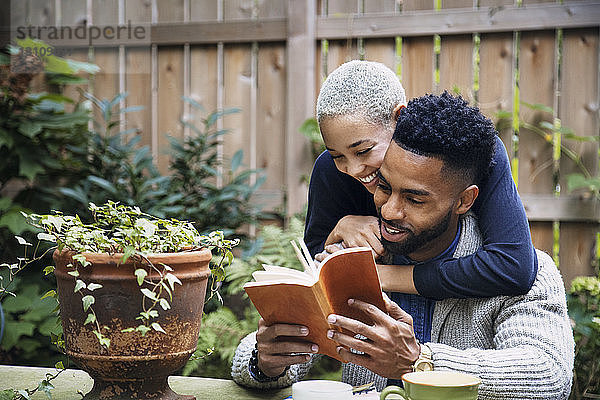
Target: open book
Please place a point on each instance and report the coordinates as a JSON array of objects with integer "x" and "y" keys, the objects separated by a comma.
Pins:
[{"x": 284, "y": 295}]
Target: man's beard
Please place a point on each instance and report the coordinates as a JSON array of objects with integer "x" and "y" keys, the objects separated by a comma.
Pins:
[{"x": 414, "y": 242}]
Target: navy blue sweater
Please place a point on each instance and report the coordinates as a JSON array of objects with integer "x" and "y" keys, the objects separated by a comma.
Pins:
[{"x": 505, "y": 265}]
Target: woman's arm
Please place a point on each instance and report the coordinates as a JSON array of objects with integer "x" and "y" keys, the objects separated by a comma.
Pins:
[
  {"x": 331, "y": 196},
  {"x": 506, "y": 264}
]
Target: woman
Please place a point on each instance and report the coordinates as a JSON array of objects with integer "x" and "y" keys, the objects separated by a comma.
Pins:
[{"x": 357, "y": 109}]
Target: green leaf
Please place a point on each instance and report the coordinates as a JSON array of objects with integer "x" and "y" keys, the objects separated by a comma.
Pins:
[
  {"x": 79, "y": 284},
  {"x": 49, "y": 293},
  {"x": 143, "y": 329},
  {"x": 24, "y": 393},
  {"x": 90, "y": 319},
  {"x": 236, "y": 160},
  {"x": 29, "y": 168},
  {"x": 128, "y": 252},
  {"x": 93, "y": 286},
  {"x": 46, "y": 236},
  {"x": 82, "y": 260},
  {"x": 14, "y": 221},
  {"x": 30, "y": 128},
  {"x": 49, "y": 269},
  {"x": 148, "y": 293},
  {"x": 13, "y": 330},
  {"x": 172, "y": 279},
  {"x": 87, "y": 301},
  {"x": 22, "y": 241},
  {"x": 45, "y": 386},
  {"x": 59, "y": 365},
  {"x": 126, "y": 330},
  {"x": 140, "y": 274},
  {"x": 164, "y": 304},
  {"x": 74, "y": 273},
  {"x": 7, "y": 394},
  {"x": 157, "y": 327}
]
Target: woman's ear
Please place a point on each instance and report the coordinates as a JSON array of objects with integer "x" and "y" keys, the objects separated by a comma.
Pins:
[
  {"x": 466, "y": 199},
  {"x": 396, "y": 111}
]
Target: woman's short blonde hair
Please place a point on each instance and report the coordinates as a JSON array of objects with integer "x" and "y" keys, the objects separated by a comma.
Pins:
[{"x": 364, "y": 89}]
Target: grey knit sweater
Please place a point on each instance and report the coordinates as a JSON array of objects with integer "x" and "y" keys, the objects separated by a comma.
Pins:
[{"x": 521, "y": 347}]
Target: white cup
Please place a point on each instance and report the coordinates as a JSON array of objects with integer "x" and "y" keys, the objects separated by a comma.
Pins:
[{"x": 321, "y": 390}]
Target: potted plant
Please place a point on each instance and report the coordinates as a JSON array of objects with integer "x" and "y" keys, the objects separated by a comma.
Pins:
[{"x": 131, "y": 290}]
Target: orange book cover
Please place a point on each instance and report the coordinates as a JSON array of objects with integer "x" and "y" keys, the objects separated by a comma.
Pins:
[{"x": 284, "y": 295}]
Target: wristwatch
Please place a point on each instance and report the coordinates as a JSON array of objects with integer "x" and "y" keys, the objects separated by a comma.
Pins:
[{"x": 425, "y": 360}]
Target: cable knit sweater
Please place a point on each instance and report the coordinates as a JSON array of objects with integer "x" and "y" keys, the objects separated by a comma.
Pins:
[{"x": 521, "y": 347}]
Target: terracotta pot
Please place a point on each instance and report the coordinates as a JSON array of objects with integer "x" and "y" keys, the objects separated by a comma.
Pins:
[{"x": 134, "y": 367}]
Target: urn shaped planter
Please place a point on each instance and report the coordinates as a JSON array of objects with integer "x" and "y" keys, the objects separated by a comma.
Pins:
[{"x": 133, "y": 366}]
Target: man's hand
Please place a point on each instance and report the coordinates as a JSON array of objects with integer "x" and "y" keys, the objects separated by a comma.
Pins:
[
  {"x": 357, "y": 231},
  {"x": 275, "y": 349},
  {"x": 390, "y": 346}
]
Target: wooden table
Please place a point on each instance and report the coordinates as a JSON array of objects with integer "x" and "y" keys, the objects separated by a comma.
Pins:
[{"x": 70, "y": 381}]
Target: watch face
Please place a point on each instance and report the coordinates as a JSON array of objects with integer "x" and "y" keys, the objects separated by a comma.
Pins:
[{"x": 423, "y": 366}]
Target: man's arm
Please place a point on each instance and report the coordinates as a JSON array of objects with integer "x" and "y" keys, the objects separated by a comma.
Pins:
[
  {"x": 241, "y": 373},
  {"x": 533, "y": 344}
]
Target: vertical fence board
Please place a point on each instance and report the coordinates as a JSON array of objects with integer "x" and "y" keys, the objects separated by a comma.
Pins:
[
  {"x": 381, "y": 50},
  {"x": 170, "y": 105},
  {"x": 340, "y": 51},
  {"x": 579, "y": 94},
  {"x": 342, "y": 7},
  {"x": 105, "y": 12},
  {"x": 203, "y": 80},
  {"x": 238, "y": 9},
  {"x": 416, "y": 5},
  {"x": 237, "y": 82},
  {"x": 138, "y": 11},
  {"x": 204, "y": 10},
  {"x": 271, "y": 115},
  {"x": 457, "y": 4},
  {"x": 106, "y": 81},
  {"x": 495, "y": 3},
  {"x": 536, "y": 86},
  {"x": 40, "y": 13},
  {"x": 541, "y": 235},
  {"x": 138, "y": 84},
  {"x": 577, "y": 247},
  {"x": 272, "y": 8},
  {"x": 457, "y": 50},
  {"x": 417, "y": 66},
  {"x": 73, "y": 12},
  {"x": 170, "y": 10},
  {"x": 380, "y": 6},
  {"x": 495, "y": 77}
]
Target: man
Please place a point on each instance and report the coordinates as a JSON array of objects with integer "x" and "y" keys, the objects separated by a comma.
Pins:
[{"x": 520, "y": 346}]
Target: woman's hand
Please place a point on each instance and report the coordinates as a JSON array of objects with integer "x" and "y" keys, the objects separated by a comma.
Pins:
[
  {"x": 357, "y": 231},
  {"x": 390, "y": 348},
  {"x": 279, "y": 346}
]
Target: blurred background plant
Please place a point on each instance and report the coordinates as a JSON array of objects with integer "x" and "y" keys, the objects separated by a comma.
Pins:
[{"x": 584, "y": 310}]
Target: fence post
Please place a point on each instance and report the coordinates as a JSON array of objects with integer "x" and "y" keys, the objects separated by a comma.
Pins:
[{"x": 300, "y": 96}]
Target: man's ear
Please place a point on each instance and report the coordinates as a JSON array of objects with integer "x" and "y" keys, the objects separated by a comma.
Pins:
[
  {"x": 396, "y": 111},
  {"x": 466, "y": 199}
]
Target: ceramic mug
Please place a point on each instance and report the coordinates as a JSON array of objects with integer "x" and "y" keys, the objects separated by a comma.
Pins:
[
  {"x": 321, "y": 390},
  {"x": 434, "y": 385}
]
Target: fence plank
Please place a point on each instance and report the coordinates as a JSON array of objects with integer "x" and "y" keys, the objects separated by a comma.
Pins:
[
  {"x": 238, "y": 9},
  {"x": 40, "y": 13},
  {"x": 457, "y": 50},
  {"x": 237, "y": 83},
  {"x": 577, "y": 247},
  {"x": 73, "y": 12},
  {"x": 415, "y": 5},
  {"x": 380, "y": 6},
  {"x": 106, "y": 81},
  {"x": 105, "y": 12},
  {"x": 340, "y": 51},
  {"x": 541, "y": 235},
  {"x": 138, "y": 84},
  {"x": 272, "y": 8},
  {"x": 204, "y": 10},
  {"x": 579, "y": 94},
  {"x": 536, "y": 86},
  {"x": 170, "y": 10},
  {"x": 342, "y": 7},
  {"x": 495, "y": 77},
  {"x": 203, "y": 80},
  {"x": 271, "y": 122},
  {"x": 170, "y": 106},
  {"x": 138, "y": 11},
  {"x": 381, "y": 50},
  {"x": 417, "y": 66}
]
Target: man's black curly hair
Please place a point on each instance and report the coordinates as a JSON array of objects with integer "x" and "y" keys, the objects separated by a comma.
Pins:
[{"x": 446, "y": 127}]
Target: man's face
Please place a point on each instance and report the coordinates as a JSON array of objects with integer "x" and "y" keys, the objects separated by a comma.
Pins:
[{"x": 416, "y": 204}]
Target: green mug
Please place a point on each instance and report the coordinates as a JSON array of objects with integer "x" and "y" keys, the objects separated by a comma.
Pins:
[{"x": 435, "y": 385}]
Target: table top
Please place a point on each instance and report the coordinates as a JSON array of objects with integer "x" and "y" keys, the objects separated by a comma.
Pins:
[{"x": 70, "y": 381}]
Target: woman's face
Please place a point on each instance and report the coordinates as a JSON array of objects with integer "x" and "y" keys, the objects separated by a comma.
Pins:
[{"x": 356, "y": 146}]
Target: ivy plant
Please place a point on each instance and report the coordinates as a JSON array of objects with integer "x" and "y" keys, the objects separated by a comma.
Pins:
[{"x": 126, "y": 230}]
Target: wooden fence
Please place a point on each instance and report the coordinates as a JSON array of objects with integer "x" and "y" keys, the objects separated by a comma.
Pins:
[{"x": 269, "y": 57}]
